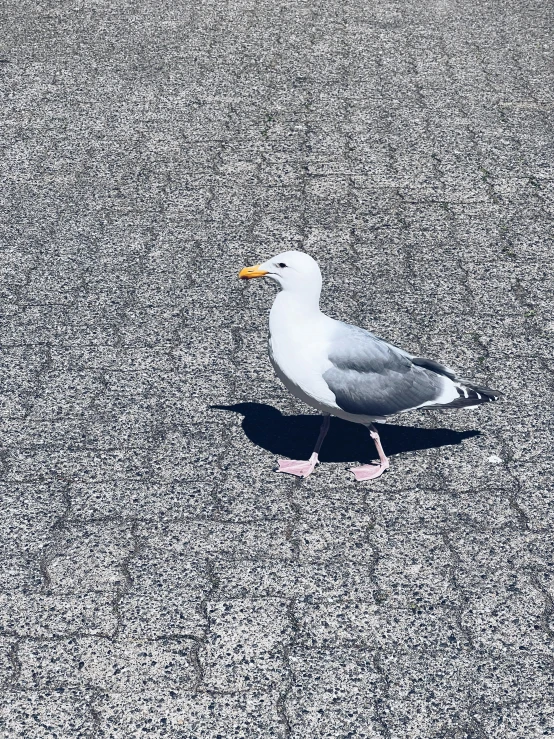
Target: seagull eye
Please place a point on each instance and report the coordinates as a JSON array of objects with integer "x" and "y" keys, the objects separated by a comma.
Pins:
[{"x": 282, "y": 265}]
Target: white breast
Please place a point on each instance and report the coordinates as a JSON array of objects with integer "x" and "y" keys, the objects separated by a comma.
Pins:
[{"x": 298, "y": 349}]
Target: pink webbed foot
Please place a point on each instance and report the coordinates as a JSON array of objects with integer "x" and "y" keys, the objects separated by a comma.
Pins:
[
  {"x": 369, "y": 471},
  {"x": 298, "y": 468}
]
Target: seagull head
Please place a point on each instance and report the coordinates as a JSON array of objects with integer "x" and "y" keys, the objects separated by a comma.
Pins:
[{"x": 295, "y": 271}]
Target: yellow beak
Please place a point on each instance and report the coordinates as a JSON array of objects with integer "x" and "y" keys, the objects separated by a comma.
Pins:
[{"x": 248, "y": 273}]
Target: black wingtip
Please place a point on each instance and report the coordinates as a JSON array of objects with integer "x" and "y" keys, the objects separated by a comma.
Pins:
[
  {"x": 485, "y": 392},
  {"x": 470, "y": 394}
]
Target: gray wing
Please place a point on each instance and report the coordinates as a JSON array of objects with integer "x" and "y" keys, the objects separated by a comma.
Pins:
[{"x": 373, "y": 378}]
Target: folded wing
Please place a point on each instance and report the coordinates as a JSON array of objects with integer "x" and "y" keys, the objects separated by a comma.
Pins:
[{"x": 373, "y": 378}]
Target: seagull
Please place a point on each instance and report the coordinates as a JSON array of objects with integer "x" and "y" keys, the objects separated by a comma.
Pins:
[{"x": 343, "y": 370}]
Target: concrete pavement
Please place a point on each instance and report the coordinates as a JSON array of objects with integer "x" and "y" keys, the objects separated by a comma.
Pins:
[{"x": 157, "y": 578}]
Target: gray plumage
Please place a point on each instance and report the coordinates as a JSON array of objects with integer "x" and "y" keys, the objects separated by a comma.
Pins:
[
  {"x": 343, "y": 370},
  {"x": 371, "y": 377}
]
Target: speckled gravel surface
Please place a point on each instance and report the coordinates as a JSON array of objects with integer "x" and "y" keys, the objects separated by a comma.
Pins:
[{"x": 157, "y": 577}]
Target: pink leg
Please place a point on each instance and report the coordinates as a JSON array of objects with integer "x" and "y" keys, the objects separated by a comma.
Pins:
[
  {"x": 371, "y": 471},
  {"x": 303, "y": 469}
]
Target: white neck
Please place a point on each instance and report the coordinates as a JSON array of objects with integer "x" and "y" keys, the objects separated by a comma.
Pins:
[
  {"x": 305, "y": 302},
  {"x": 291, "y": 312}
]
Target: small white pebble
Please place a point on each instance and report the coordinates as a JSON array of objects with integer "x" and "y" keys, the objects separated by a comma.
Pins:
[{"x": 495, "y": 459}]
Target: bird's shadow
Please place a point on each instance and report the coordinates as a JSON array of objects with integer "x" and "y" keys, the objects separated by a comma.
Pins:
[{"x": 295, "y": 436}]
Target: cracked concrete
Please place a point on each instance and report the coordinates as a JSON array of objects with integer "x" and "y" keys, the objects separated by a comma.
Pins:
[{"x": 156, "y": 577}]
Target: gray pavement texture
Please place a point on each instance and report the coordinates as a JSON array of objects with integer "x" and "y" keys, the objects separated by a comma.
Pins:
[{"x": 157, "y": 577}]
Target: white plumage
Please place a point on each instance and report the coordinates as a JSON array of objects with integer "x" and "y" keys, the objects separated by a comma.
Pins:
[{"x": 343, "y": 370}]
